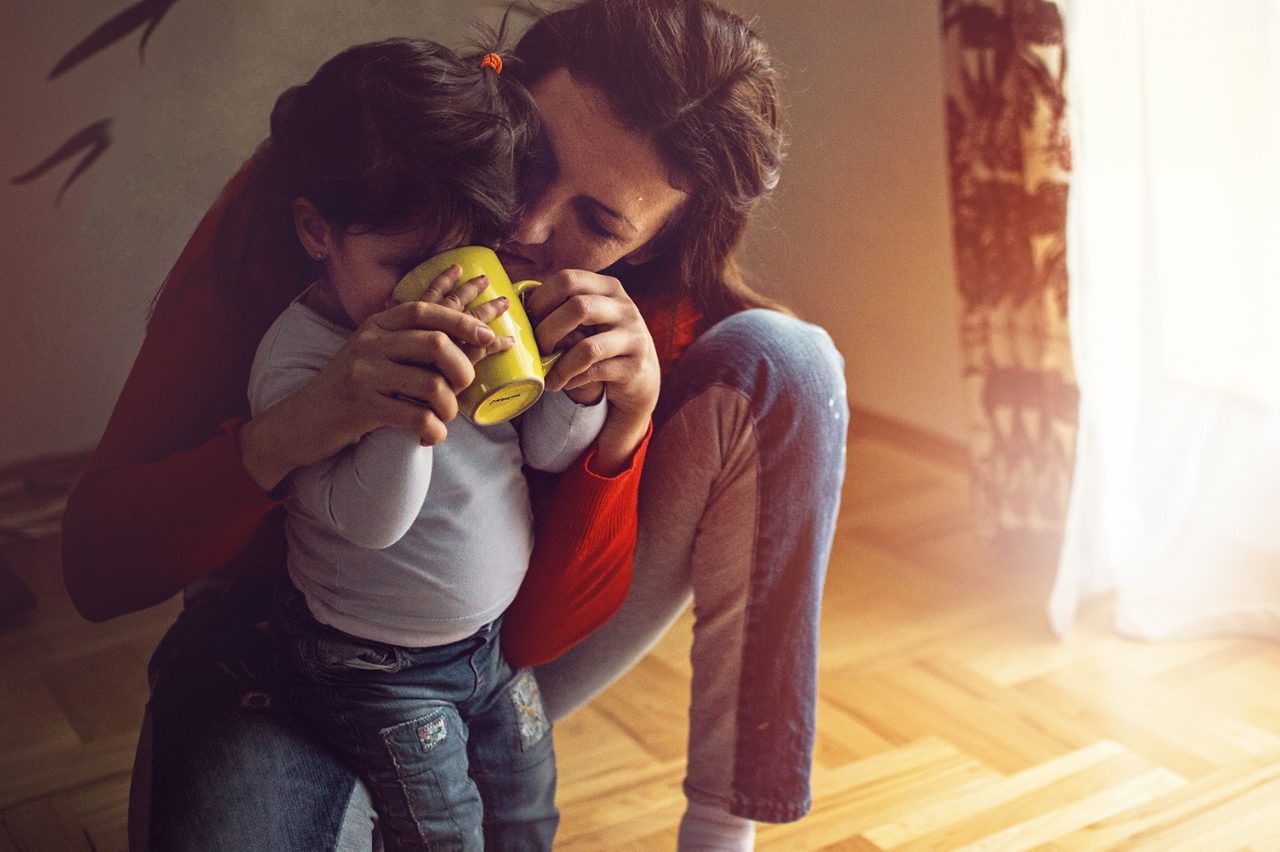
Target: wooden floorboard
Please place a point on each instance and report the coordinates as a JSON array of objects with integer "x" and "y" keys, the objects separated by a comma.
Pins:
[{"x": 949, "y": 715}]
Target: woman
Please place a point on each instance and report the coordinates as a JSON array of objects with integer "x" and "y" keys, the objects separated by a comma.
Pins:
[
  {"x": 742, "y": 478},
  {"x": 663, "y": 132}
]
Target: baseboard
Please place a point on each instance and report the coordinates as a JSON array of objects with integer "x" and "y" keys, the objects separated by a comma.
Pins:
[
  {"x": 15, "y": 598},
  {"x": 865, "y": 423},
  {"x": 33, "y": 494}
]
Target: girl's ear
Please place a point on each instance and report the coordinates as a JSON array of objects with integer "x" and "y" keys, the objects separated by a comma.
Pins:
[{"x": 314, "y": 231}]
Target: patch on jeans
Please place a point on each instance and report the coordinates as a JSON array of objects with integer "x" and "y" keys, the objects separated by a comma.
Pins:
[
  {"x": 255, "y": 699},
  {"x": 530, "y": 717},
  {"x": 431, "y": 733}
]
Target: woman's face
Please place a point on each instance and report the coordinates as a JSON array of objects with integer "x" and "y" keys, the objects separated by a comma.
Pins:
[{"x": 607, "y": 191}]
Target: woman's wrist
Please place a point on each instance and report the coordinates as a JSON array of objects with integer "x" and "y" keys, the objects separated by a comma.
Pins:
[
  {"x": 264, "y": 450},
  {"x": 587, "y": 395},
  {"x": 618, "y": 441}
]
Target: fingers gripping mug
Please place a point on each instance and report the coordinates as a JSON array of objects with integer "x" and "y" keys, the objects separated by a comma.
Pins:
[{"x": 506, "y": 383}]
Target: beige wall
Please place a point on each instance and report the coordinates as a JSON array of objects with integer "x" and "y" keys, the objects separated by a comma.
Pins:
[{"x": 857, "y": 237}]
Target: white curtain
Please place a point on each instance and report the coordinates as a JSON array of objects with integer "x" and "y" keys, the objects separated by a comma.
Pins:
[{"x": 1173, "y": 241}]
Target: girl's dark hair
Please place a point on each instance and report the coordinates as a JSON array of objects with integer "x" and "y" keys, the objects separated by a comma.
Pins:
[
  {"x": 698, "y": 82},
  {"x": 403, "y": 133},
  {"x": 387, "y": 136}
]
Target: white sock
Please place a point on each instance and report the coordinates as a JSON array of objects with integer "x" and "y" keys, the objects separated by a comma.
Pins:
[{"x": 706, "y": 828}]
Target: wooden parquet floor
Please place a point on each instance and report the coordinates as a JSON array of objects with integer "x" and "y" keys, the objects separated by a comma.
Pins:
[{"x": 949, "y": 716}]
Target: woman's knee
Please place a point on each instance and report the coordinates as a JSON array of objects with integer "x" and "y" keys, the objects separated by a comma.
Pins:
[{"x": 784, "y": 365}]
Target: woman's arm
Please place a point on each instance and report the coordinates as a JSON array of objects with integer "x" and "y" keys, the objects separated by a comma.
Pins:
[
  {"x": 612, "y": 353},
  {"x": 585, "y": 521},
  {"x": 165, "y": 498},
  {"x": 168, "y": 497},
  {"x": 179, "y": 484},
  {"x": 580, "y": 571}
]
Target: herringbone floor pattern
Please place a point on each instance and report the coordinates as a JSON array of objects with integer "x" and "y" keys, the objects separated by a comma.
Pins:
[{"x": 948, "y": 717}]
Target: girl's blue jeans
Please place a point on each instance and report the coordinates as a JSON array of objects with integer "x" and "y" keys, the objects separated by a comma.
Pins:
[
  {"x": 452, "y": 742},
  {"x": 738, "y": 507}
]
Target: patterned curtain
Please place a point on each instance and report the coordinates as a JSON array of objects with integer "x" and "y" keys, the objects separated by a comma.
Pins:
[{"x": 1010, "y": 160}]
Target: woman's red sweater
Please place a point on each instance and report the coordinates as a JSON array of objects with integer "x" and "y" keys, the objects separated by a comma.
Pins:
[{"x": 166, "y": 498}]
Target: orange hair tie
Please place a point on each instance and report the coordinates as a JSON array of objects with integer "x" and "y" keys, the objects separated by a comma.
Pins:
[{"x": 492, "y": 60}]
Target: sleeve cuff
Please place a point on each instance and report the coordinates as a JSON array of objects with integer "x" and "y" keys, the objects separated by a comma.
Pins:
[
  {"x": 230, "y": 430},
  {"x": 564, "y": 409},
  {"x": 633, "y": 466}
]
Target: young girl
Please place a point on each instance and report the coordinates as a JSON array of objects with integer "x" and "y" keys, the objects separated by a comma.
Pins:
[{"x": 404, "y": 551}]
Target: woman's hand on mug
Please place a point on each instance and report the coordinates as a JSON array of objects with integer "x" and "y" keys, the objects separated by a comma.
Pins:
[
  {"x": 607, "y": 348},
  {"x": 402, "y": 367}
]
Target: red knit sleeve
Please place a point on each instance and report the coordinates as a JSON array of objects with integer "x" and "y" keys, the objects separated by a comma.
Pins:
[
  {"x": 580, "y": 571},
  {"x": 135, "y": 534},
  {"x": 166, "y": 498},
  {"x": 585, "y": 528}
]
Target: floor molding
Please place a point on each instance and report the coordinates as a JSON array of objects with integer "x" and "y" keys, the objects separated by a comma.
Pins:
[{"x": 868, "y": 424}]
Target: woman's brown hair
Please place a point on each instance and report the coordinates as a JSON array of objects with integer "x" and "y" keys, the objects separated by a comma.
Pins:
[{"x": 698, "y": 82}]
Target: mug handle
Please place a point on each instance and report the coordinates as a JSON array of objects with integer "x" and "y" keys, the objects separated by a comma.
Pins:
[{"x": 522, "y": 288}]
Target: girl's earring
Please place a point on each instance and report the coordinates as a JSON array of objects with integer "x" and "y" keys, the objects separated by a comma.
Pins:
[{"x": 320, "y": 255}]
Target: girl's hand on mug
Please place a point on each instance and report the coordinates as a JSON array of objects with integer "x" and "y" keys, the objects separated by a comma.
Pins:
[
  {"x": 607, "y": 349},
  {"x": 447, "y": 291}
]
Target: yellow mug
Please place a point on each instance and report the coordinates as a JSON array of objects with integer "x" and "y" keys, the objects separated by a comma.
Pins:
[{"x": 506, "y": 383}]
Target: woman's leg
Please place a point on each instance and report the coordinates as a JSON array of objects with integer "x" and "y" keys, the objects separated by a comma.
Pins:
[
  {"x": 738, "y": 506},
  {"x": 220, "y": 765}
]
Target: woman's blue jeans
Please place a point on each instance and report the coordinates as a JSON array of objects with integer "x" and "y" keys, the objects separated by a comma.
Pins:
[
  {"x": 222, "y": 767},
  {"x": 738, "y": 506}
]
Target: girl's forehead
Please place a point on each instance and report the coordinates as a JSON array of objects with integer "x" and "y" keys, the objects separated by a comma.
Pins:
[{"x": 421, "y": 239}]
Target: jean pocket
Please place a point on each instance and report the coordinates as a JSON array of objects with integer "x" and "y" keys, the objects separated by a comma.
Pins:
[
  {"x": 336, "y": 653},
  {"x": 330, "y": 660}
]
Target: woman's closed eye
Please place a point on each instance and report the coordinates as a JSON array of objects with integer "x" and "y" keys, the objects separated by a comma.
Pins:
[{"x": 595, "y": 223}]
